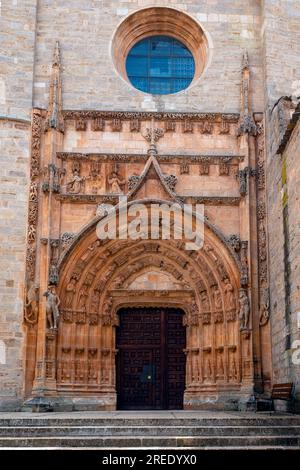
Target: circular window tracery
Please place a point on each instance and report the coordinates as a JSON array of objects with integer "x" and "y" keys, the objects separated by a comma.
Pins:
[
  {"x": 169, "y": 22},
  {"x": 160, "y": 65}
]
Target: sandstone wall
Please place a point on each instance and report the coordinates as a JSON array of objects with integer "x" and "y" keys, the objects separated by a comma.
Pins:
[
  {"x": 85, "y": 30},
  {"x": 280, "y": 35},
  {"x": 17, "y": 20},
  {"x": 291, "y": 157}
]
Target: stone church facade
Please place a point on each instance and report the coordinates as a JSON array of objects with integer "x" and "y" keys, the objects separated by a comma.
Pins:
[{"x": 148, "y": 324}]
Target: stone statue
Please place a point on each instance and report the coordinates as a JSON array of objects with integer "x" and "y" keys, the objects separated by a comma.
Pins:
[
  {"x": 70, "y": 292},
  {"x": 264, "y": 310},
  {"x": 52, "y": 305},
  {"x": 75, "y": 186},
  {"x": 83, "y": 296},
  {"x": 244, "y": 314},
  {"x": 32, "y": 305},
  {"x": 204, "y": 301},
  {"x": 217, "y": 298},
  {"x": 115, "y": 183},
  {"x": 229, "y": 295}
]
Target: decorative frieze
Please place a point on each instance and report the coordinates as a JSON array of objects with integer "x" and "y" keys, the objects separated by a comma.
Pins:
[
  {"x": 264, "y": 301},
  {"x": 147, "y": 116},
  {"x": 213, "y": 159},
  {"x": 33, "y": 194}
]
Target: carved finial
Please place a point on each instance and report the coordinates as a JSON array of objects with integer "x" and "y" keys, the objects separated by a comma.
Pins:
[
  {"x": 247, "y": 124},
  {"x": 152, "y": 135},
  {"x": 54, "y": 114},
  {"x": 56, "y": 55},
  {"x": 245, "y": 61}
]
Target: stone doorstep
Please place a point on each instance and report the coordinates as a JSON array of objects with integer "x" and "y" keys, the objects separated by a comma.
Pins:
[
  {"x": 198, "y": 430},
  {"x": 152, "y": 442}
]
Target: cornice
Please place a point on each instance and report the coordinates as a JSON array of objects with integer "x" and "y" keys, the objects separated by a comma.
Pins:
[{"x": 129, "y": 158}]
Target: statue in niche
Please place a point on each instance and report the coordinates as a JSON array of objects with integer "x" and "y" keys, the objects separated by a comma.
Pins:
[
  {"x": 244, "y": 314},
  {"x": 217, "y": 298},
  {"x": 32, "y": 305},
  {"x": 76, "y": 185},
  {"x": 52, "y": 305},
  {"x": 70, "y": 292},
  {"x": 115, "y": 183},
  {"x": 229, "y": 295}
]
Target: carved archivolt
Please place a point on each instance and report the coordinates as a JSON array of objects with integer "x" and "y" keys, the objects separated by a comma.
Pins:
[{"x": 95, "y": 282}]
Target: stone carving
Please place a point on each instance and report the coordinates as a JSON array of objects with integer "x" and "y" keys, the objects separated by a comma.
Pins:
[
  {"x": 46, "y": 179},
  {"x": 206, "y": 318},
  {"x": 184, "y": 169},
  {"x": 116, "y": 125},
  {"x": 31, "y": 311},
  {"x": 109, "y": 318},
  {"x": 80, "y": 124},
  {"x": 206, "y": 127},
  {"x": 246, "y": 124},
  {"x": 170, "y": 126},
  {"x": 57, "y": 175},
  {"x": 192, "y": 317},
  {"x": 115, "y": 182},
  {"x": 244, "y": 263},
  {"x": 171, "y": 181},
  {"x": 218, "y": 317},
  {"x": 95, "y": 170},
  {"x": 217, "y": 298},
  {"x": 152, "y": 135},
  {"x": 264, "y": 308},
  {"x": 231, "y": 315},
  {"x": 54, "y": 119},
  {"x": 83, "y": 296},
  {"x": 77, "y": 182},
  {"x": 98, "y": 124},
  {"x": 229, "y": 295},
  {"x": 31, "y": 234},
  {"x": 187, "y": 126},
  {"x": 204, "y": 167},
  {"x": 204, "y": 300},
  {"x": 261, "y": 210},
  {"x": 53, "y": 275},
  {"x": 54, "y": 250},
  {"x": 244, "y": 313},
  {"x": 70, "y": 292},
  {"x": 243, "y": 181},
  {"x": 224, "y": 127},
  {"x": 224, "y": 169},
  {"x": 52, "y": 311},
  {"x": 148, "y": 115},
  {"x": 235, "y": 242},
  {"x": 66, "y": 239},
  {"x": 214, "y": 159},
  {"x": 135, "y": 125},
  {"x": 133, "y": 181}
]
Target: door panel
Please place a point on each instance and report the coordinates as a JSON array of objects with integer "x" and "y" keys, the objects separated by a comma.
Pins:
[{"x": 150, "y": 362}]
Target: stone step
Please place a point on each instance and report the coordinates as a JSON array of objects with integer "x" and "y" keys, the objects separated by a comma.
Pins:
[
  {"x": 166, "y": 442},
  {"x": 48, "y": 420},
  {"x": 119, "y": 431}
]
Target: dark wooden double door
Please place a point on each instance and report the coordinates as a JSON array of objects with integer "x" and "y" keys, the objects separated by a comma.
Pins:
[{"x": 150, "y": 359}]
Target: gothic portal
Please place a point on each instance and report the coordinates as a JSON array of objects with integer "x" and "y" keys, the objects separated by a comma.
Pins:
[{"x": 163, "y": 107}]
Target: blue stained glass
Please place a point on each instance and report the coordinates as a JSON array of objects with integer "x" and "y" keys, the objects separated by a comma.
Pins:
[{"x": 160, "y": 65}]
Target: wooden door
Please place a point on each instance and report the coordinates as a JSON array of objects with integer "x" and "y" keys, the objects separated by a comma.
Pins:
[{"x": 150, "y": 361}]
